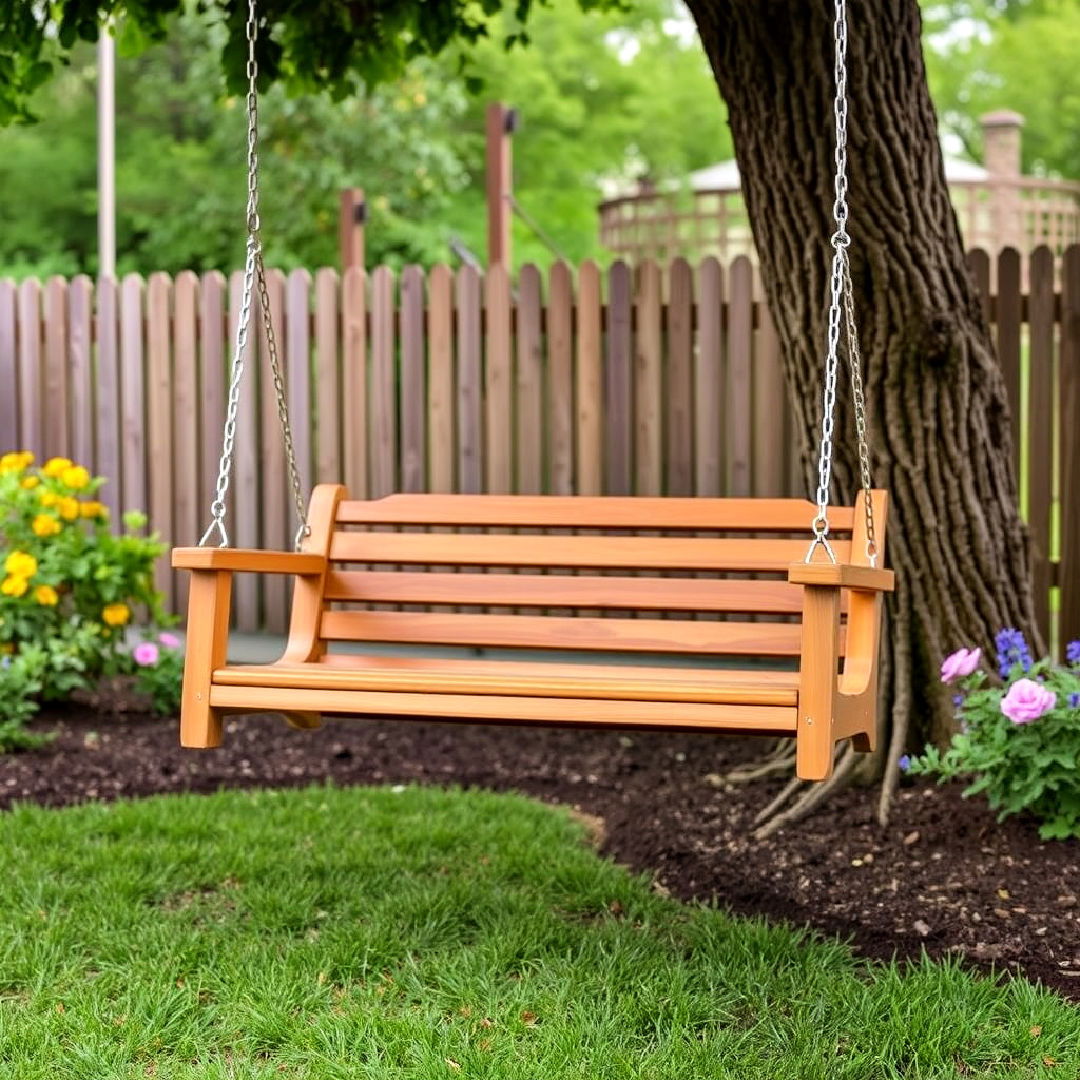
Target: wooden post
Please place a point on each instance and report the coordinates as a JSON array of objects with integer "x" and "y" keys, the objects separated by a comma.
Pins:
[
  {"x": 500, "y": 126},
  {"x": 351, "y": 221}
]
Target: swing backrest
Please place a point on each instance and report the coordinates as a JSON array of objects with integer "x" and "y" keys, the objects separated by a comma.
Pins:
[{"x": 572, "y": 573}]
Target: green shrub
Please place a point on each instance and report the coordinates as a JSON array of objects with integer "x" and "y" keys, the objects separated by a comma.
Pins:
[
  {"x": 68, "y": 585},
  {"x": 20, "y": 685},
  {"x": 1019, "y": 734},
  {"x": 159, "y": 668}
]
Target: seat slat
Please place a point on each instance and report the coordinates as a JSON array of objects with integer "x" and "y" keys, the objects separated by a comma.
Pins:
[
  {"x": 592, "y": 512},
  {"x": 559, "y": 632},
  {"x": 577, "y": 552},
  {"x": 480, "y": 708},
  {"x": 535, "y": 590},
  {"x": 514, "y": 678}
]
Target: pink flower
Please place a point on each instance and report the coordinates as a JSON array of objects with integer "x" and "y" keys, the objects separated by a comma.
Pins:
[
  {"x": 1027, "y": 701},
  {"x": 960, "y": 663},
  {"x": 170, "y": 641},
  {"x": 145, "y": 654}
]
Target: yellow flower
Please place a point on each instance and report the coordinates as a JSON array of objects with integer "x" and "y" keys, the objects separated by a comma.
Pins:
[
  {"x": 68, "y": 507},
  {"x": 46, "y": 595},
  {"x": 30, "y": 482},
  {"x": 116, "y": 614},
  {"x": 19, "y": 564},
  {"x": 46, "y": 525},
  {"x": 49, "y": 498},
  {"x": 55, "y": 466},
  {"x": 75, "y": 477},
  {"x": 92, "y": 509},
  {"x": 13, "y": 462},
  {"x": 13, "y": 586}
]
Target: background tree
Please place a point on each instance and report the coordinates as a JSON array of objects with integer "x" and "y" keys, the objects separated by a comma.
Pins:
[{"x": 942, "y": 438}]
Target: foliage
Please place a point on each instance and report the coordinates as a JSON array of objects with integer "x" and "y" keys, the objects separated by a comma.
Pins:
[
  {"x": 159, "y": 668},
  {"x": 1023, "y": 58},
  {"x": 20, "y": 686},
  {"x": 603, "y": 97},
  {"x": 417, "y": 933},
  {"x": 318, "y": 45},
  {"x": 69, "y": 585},
  {"x": 1019, "y": 737}
]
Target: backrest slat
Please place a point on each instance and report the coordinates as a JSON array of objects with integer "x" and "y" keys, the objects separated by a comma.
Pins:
[
  {"x": 593, "y": 512},
  {"x": 550, "y": 591},
  {"x": 575, "y": 552},
  {"x": 563, "y": 633}
]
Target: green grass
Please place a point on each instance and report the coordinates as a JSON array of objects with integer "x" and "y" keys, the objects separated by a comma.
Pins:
[{"x": 363, "y": 933}]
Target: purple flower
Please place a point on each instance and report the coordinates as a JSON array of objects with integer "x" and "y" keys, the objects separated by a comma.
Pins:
[
  {"x": 170, "y": 641},
  {"x": 904, "y": 762},
  {"x": 958, "y": 699},
  {"x": 145, "y": 654},
  {"x": 1074, "y": 701},
  {"x": 959, "y": 664},
  {"x": 1012, "y": 649},
  {"x": 1072, "y": 652},
  {"x": 1027, "y": 701}
]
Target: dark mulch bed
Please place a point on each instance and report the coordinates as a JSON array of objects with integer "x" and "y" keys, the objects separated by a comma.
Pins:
[{"x": 944, "y": 876}]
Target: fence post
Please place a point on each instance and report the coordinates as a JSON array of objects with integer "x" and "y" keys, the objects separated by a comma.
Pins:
[{"x": 352, "y": 218}]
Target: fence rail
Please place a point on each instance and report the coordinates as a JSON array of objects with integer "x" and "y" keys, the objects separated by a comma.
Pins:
[{"x": 642, "y": 381}]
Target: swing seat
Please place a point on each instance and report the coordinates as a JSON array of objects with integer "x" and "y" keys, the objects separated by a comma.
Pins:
[{"x": 666, "y": 650}]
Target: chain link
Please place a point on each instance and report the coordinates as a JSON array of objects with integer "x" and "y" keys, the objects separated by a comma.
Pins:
[
  {"x": 841, "y": 308},
  {"x": 254, "y": 272}
]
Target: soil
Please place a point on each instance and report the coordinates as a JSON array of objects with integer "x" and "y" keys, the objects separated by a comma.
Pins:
[{"x": 943, "y": 877}]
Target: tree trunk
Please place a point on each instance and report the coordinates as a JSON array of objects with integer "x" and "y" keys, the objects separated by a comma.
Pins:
[{"x": 940, "y": 428}]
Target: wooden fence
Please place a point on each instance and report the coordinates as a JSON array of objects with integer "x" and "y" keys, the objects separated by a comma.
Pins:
[{"x": 647, "y": 381}]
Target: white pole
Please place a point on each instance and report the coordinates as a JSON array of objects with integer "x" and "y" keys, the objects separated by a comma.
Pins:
[{"x": 106, "y": 153}]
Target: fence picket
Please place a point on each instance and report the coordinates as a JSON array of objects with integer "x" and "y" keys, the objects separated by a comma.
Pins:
[
  {"x": 559, "y": 429},
  {"x": 81, "y": 369},
  {"x": 413, "y": 382},
  {"x": 354, "y": 380},
  {"x": 617, "y": 409},
  {"x": 648, "y": 382},
  {"x": 738, "y": 383},
  {"x": 185, "y": 419},
  {"x": 327, "y": 378},
  {"x": 1009, "y": 328},
  {"x": 498, "y": 383},
  {"x": 159, "y": 418},
  {"x": 213, "y": 378},
  {"x": 679, "y": 380},
  {"x": 708, "y": 382},
  {"x": 298, "y": 376},
  {"x": 9, "y": 369},
  {"x": 54, "y": 309},
  {"x": 31, "y": 399},
  {"x": 589, "y": 384},
  {"x": 270, "y": 470},
  {"x": 470, "y": 422},
  {"x": 529, "y": 464},
  {"x": 1069, "y": 391},
  {"x": 440, "y": 331},
  {"x": 244, "y": 494},
  {"x": 132, "y": 392},
  {"x": 1040, "y": 430},
  {"x": 770, "y": 453},
  {"x": 108, "y": 455}
]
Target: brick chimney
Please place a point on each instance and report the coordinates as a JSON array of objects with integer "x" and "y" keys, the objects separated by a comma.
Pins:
[{"x": 1001, "y": 142}]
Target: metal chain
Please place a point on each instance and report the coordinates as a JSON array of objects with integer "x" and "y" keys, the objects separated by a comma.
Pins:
[
  {"x": 841, "y": 305},
  {"x": 253, "y": 271}
]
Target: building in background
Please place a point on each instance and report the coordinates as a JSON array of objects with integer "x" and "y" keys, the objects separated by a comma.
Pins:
[{"x": 995, "y": 204}]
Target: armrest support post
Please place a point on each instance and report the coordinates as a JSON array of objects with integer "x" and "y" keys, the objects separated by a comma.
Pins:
[
  {"x": 205, "y": 650},
  {"x": 814, "y": 739}
]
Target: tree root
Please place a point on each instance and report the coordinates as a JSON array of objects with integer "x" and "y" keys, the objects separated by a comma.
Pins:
[
  {"x": 779, "y": 760},
  {"x": 811, "y": 797},
  {"x": 789, "y": 789},
  {"x": 901, "y": 720}
]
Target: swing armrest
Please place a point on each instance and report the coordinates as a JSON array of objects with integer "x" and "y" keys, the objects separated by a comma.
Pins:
[
  {"x": 842, "y": 576},
  {"x": 248, "y": 560}
]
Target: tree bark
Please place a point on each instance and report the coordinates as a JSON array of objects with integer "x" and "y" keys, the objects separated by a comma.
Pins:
[{"x": 940, "y": 427}]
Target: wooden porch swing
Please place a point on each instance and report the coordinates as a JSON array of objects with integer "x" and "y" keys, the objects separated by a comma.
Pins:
[{"x": 821, "y": 607}]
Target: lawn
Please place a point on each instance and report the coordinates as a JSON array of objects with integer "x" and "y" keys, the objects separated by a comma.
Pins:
[{"x": 355, "y": 933}]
